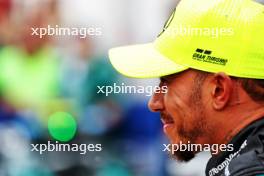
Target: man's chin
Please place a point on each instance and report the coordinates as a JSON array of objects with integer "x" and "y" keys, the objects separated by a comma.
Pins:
[{"x": 183, "y": 156}]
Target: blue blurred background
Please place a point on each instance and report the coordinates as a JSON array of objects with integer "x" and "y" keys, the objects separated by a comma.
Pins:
[{"x": 39, "y": 77}]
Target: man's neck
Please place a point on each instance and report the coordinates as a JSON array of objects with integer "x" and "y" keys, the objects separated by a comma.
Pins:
[{"x": 237, "y": 119}]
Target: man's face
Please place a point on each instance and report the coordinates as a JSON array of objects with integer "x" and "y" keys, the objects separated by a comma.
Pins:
[{"x": 182, "y": 110}]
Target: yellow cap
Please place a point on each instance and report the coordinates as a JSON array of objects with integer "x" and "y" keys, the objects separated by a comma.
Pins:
[{"x": 208, "y": 35}]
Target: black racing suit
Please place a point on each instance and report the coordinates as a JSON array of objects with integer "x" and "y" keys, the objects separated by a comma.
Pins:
[{"x": 247, "y": 159}]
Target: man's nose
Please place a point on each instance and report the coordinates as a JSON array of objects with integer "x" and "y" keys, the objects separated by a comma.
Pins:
[{"x": 155, "y": 103}]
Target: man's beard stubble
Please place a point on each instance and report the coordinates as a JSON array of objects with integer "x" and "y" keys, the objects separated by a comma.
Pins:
[{"x": 199, "y": 125}]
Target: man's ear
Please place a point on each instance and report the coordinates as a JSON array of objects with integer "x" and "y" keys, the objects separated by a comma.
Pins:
[{"x": 222, "y": 90}]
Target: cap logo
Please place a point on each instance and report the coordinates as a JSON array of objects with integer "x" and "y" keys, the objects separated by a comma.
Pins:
[{"x": 206, "y": 56}]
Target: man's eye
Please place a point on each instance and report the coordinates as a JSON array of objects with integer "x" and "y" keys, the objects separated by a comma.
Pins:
[{"x": 163, "y": 82}]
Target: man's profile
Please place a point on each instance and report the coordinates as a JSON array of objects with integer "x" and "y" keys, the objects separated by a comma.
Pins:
[{"x": 215, "y": 84}]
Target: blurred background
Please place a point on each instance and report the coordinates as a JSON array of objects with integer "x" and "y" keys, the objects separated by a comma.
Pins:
[{"x": 41, "y": 76}]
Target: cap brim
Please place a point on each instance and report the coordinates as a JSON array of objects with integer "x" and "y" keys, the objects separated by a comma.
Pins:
[{"x": 142, "y": 61}]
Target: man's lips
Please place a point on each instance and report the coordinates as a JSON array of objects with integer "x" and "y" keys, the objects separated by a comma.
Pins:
[
  {"x": 168, "y": 123},
  {"x": 166, "y": 119}
]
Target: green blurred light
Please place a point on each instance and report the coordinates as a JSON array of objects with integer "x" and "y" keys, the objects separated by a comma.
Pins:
[{"x": 62, "y": 126}]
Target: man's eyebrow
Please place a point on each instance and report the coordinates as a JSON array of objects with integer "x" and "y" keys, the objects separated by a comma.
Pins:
[
  {"x": 163, "y": 78},
  {"x": 168, "y": 77}
]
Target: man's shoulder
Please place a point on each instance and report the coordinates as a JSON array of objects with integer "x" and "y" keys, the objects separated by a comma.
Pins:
[
  {"x": 250, "y": 160},
  {"x": 247, "y": 158},
  {"x": 246, "y": 164}
]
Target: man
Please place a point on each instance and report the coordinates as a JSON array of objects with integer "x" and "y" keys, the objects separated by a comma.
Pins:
[{"x": 210, "y": 55}]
